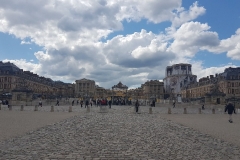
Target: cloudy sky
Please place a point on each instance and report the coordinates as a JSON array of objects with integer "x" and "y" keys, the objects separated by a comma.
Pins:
[{"x": 108, "y": 41}]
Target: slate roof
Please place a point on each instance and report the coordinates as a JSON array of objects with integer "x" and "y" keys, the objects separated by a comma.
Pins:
[
  {"x": 10, "y": 67},
  {"x": 120, "y": 85}
]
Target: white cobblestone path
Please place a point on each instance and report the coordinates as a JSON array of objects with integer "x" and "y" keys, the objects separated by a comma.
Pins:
[{"x": 118, "y": 134}]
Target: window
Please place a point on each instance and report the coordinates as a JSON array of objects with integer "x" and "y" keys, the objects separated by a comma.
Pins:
[{"x": 236, "y": 91}]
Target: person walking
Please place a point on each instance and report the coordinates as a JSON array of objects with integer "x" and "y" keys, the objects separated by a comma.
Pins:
[
  {"x": 110, "y": 103},
  {"x": 230, "y": 108},
  {"x": 40, "y": 103},
  {"x": 57, "y": 104},
  {"x": 174, "y": 104},
  {"x": 137, "y": 106}
]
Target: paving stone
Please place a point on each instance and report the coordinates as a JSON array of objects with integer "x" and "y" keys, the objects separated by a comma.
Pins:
[{"x": 118, "y": 134}]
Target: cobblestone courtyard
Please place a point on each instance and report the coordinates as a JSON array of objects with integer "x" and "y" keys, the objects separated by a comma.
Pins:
[{"x": 118, "y": 134}]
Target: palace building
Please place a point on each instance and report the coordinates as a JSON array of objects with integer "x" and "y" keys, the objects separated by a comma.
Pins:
[
  {"x": 153, "y": 90},
  {"x": 179, "y": 84},
  {"x": 216, "y": 89},
  {"x": 176, "y": 77},
  {"x": 85, "y": 88},
  {"x": 27, "y": 85},
  {"x": 119, "y": 93}
]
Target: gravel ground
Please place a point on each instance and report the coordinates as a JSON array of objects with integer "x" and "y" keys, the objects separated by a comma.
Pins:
[
  {"x": 16, "y": 123},
  {"x": 118, "y": 134},
  {"x": 216, "y": 125}
]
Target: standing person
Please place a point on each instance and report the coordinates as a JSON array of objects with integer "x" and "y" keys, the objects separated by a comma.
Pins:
[
  {"x": 110, "y": 103},
  {"x": 40, "y": 103},
  {"x": 6, "y": 102},
  {"x": 230, "y": 108},
  {"x": 137, "y": 106},
  {"x": 73, "y": 103},
  {"x": 153, "y": 103},
  {"x": 86, "y": 103},
  {"x": 203, "y": 107},
  {"x": 174, "y": 104},
  {"x": 57, "y": 104},
  {"x": 81, "y": 103},
  {"x": 77, "y": 102}
]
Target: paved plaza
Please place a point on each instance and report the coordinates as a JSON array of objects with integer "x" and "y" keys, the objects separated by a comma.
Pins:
[{"x": 118, "y": 134}]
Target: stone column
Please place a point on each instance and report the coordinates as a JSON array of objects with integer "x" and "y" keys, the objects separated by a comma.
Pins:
[
  {"x": 52, "y": 108},
  {"x": 21, "y": 108},
  {"x": 199, "y": 111},
  {"x": 36, "y": 108},
  {"x": 169, "y": 111},
  {"x": 70, "y": 109},
  {"x": 88, "y": 109},
  {"x": 10, "y": 107},
  {"x": 150, "y": 110},
  {"x": 185, "y": 111},
  {"x": 213, "y": 111}
]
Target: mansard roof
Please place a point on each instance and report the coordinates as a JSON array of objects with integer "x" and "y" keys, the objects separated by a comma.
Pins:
[
  {"x": 7, "y": 68},
  {"x": 229, "y": 72},
  {"x": 10, "y": 67},
  {"x": 120, "y": 85},
  {"x": 153, "y": 82}
]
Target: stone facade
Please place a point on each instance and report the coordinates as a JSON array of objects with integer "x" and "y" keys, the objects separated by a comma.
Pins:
[
  {"x": 100, "y": 92},
  {"x": 135, "y": 94},
  {"x": 153, "y": 90},
  {"x": 176, "y": 77},
  {"x": 85, "y": 88},
  {"x": 216, "y": 89},
  {"x": 14, "y": 79}
]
